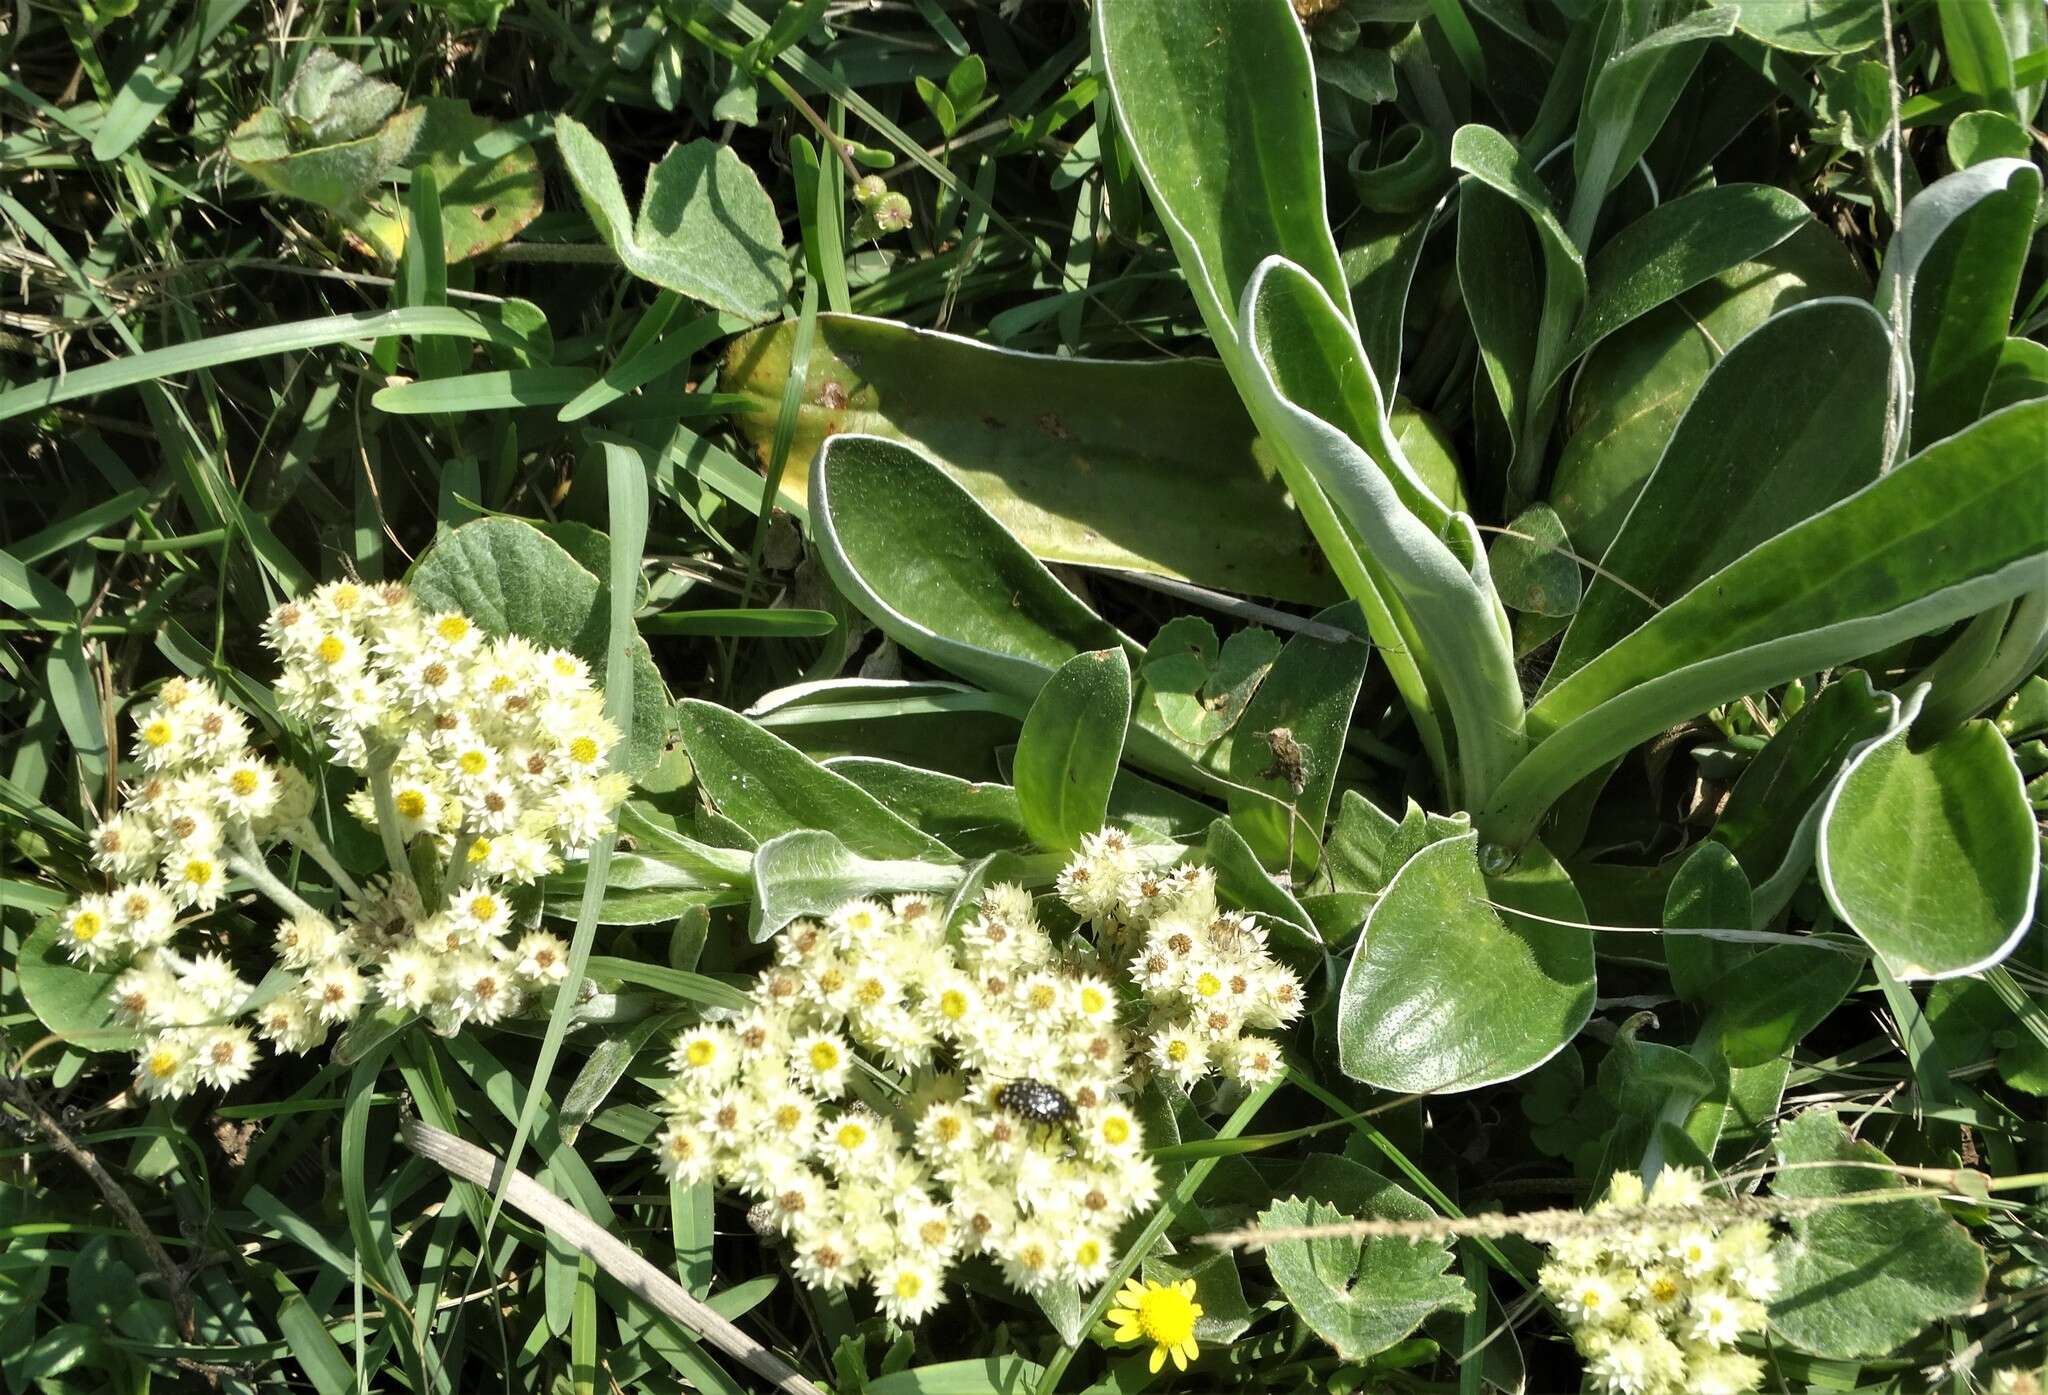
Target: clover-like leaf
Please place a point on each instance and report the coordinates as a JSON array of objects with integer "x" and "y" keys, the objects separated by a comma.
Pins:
[{"x": 1201, "y": 691}]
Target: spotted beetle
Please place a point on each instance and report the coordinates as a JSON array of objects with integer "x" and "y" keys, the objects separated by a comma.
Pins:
[{"x": 1035, "y": 1102}]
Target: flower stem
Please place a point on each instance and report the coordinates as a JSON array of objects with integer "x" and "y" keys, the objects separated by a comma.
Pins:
[
  {"x": 1183, "y": 1192},
  {"x": 307, "y": 840},
  {"x": 247, "y": 861},
  {"x": 387, "y": 820}
]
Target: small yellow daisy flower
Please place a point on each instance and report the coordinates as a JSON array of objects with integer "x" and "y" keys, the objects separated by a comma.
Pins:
[{"x": 1162, "y": 1314}]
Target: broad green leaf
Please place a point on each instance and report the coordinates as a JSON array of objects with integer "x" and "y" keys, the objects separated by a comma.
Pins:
[
  {"x": 1675, "y": 247},
  {"x": 1368, "y": 846},
  {"x": 1534, "y": 569},
  {"x": 1445, "y": 994},
  {"x": 1200, "y": 690},
  {"x": 1932, "y": 855},
  {"x": 1360, "y": 1296},
  {"x": 488, "y": 193},
  {"x": 656, "y": 886},
  {"x": 1633, "y": 90},
  {"x": 1640, "y": 1078},
  {"x": 1141, "y": 466},
  {"x": 333, "y": 176},
  {"x": 1977, "y": 136},
  {"x": 1708, "y": 892},
  {"x": 331, "y": 99},
  {"x": 2022, "y": 374},
  {"x": 511, "y": 578},
  {"x": 1978, "y": 56},
  {"x": 1068, "y": 752},
  {"x": 1951, "y": 274},
  {"x": 1379, "y": 263},
  {"x": 1861, "y": 1281},
  {"x": 972, "y": 818},
  {"x": 1295, "y": 725},
  {"x": 1308, "y": 368},
  {"x": 72, "y": 1000},
  {"x": 810, "y": 872},
  {"x": 1216, "y": 101},
  {"x": 1791, "y": 421},
  {"x": 1503, "y": 295},
  {"x": 768, "y": 787},
  {"x": 1958, "y": 528},
  {"x": 1630, "y": 391},
  {"x": 1812, "y": 26},
  {"x": 1767, "y": 1003},
  {"x": 1737, "y": 1113},
  {"x": 960, "y": 592},
  {"x": 1779, "y": 792},
  {"x": 705, "y": 229},
  {"x": 1970, "y": 1022},
  {"x": 930, "y": 723}
]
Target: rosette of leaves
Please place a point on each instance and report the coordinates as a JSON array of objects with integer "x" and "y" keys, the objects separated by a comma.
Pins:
[{"x": 338, "y": 135}]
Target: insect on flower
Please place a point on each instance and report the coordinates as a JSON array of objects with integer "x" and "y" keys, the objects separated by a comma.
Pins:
[{"x": 1035, "y": 1102}]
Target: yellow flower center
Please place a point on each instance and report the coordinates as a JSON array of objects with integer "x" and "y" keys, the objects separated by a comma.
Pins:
[
  {"x": 163, "y": 1063},
  {"x": 244, "y": 782},
  {"x": 472, "y": 762},
  {"x": 870, "y": 991},
  {"x": 948, "y": 1128},
  {"x": 1088, "y": 1254},
  {"x": 583, "y": 750},
  {"x": 788, "y": 1117},
  {"x": 681, "y": 1147},
  {"x": 198, "y": 871},
  {"x": 411, "y": 803},
  {"x": 157, "y": 733},
  {"x": 347, "y": 597},
  {"x": 824, "y": 1056},
  {"x": 850, "y": 1136},
  {"x": 86, "y": 927},
  {"x": 1116, "y": 1131},
  {"x": 1176, "y": 1051},
  {"x": 1167, "y": 1316},
  {"x": 452, "y": 628},
  {"x": 953, "y": 1004},
  {"x": 479, "y": 850},
  {"x": 1590, "y": 1299},
  {"x": 1093, "y": 1000},
  {"x": 565, "y": 666},
  {"x": 1208, "y": 985},
  {"x": 483, "y": 907},
  {"x": 909, "y": 1284},
  {"x": 1663, "y": 1289},
  {"x": 331, "y": 649},
  {"x": 702, "y": 1052},
  {"x": 1042, "y": 996}
]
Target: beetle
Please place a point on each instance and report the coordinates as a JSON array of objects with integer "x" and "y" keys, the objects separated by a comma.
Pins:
[{"x": 1036, "y": 1102}]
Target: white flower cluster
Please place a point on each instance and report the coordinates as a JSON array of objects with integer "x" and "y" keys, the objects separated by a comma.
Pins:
[
  {"x": 895, "y": 1103},
  {"x": 1658, "y": 1309},
  {"x": 1205, "y": 972},
  {"x": 486, "y": 766}
]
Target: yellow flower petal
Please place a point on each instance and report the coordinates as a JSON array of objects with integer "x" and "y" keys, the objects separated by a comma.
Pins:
[
  {"x": 1130, "y": 1331},
  {"x": 1158, "y": 1359},
  {"x": 1180, "y": 1360}
]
